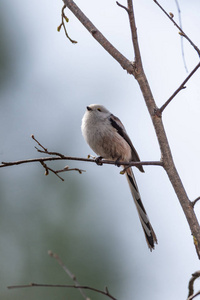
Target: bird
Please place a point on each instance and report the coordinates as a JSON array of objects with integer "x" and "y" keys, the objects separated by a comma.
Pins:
[{"x": 107, "y": 137}]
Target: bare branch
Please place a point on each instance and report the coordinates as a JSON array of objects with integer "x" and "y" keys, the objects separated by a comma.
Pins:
[
  {"x": 33, "y": 137},
  {"x": 122, "y": 60},
  {"x": 105, "y": 293},
  {"x": 191, "y": 294},
  {"x": 195, "y": 201},
  {"x": 182, "y": 33},
  {"x": 122, "y": 6},
  {"x": 59, "y": 156},
  {"x": 182, "y": 86},
  {"x": 107, "y": 162},
  {"x": 66, "y": 168},
  {"x": 166, "y": 154},
  {"x": 133, "y": 28},
  {"x": 67, "y": 271},
  {"x": 63, "y": 20},
  {"x": 47, "y": 169},
  {"x": 180, "y": 23}
]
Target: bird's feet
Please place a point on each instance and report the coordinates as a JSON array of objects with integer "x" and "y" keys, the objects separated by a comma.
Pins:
[
  {"x": 117, "y": 162},
  {"x": 98, "y": 160}
]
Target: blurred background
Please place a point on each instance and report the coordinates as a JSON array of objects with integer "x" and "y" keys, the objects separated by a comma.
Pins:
[{"x": 90, "y": 220}]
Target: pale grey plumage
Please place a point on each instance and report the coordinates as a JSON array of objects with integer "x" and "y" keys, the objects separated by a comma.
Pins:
[{"x": 107, "y": 137}]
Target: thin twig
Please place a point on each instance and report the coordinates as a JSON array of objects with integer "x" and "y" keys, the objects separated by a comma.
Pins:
[
  {"x": 182, "y": 33},
  {"x": 47, "y": 169},
  {"x": 50, "y": 153},
  {"x": 182, "y": 86},
  {"x": 138, "y": 60},
  {"x": 122, "y": 6},
  {"x": 191, "y": 285},
  {"x": 67, "y": 271},
  {"x": 63, "y": 20},
  {"x": 66, "y": 168},
  {"x": 195, "y": 201},
  {"x": 33, "y": 137},
  {"x": 180, "y": 24},
  {"x": 105, "y": 293}
]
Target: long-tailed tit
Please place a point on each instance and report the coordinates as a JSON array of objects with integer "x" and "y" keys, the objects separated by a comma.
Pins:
[{"x": 107, "y": 137}]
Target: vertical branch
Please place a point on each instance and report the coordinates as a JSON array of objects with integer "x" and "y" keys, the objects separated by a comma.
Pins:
[
  {"x": 138, "y": 59},
  {"x": 166, "y": 154}
]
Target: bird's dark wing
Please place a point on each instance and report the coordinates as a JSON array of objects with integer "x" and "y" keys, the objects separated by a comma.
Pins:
[{"x": 117, "y": 124}]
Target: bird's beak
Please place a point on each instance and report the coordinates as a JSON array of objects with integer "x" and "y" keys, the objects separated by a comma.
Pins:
[{"x": 88, "y": 108}]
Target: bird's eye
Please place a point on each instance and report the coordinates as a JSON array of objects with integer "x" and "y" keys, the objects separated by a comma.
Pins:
[{"x": 99, "y": 109}]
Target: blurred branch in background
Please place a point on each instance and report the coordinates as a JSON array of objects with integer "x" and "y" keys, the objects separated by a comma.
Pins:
[
  {"x": 72, "y": 276},
  {"x": 182, "y": 33}
]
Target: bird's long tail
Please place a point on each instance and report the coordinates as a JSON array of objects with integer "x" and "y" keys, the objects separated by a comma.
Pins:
[{"x": 146, "y": 225}]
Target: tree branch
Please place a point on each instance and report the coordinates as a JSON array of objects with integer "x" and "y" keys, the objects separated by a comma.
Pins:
[
  {"x": 195, "y": 201},
  {"x": 67, "y": 271},
  {"x": 182, "y": 86},
  {"x": 191, "y": 294},
  {"x": 138, "y": 60},
  {"x": 103, "y": 161},
  {"x": 182, "y": 33},
  {"x": 180, "y": 24},
  {"x": 122, "y": 6},
  {"x": 63, "y": 20},
  {"x": 166, "y": 154},
  {"x": 105, "y": 293},
  {"x": 122, "y": 60},
  {"x": 59, "y": 156}
]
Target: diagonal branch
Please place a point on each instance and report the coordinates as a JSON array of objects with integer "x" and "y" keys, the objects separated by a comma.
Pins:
[
  {"x": 182, "y": 86},
  {"x": 193, "y": 203},
  {"x": 122, "y": 60},
  {"x": 122, "y": 6},
  {"x": 193, "y": 296},
  {"x": 182, "y": 33},
  {"x": 67, "y": 271}
]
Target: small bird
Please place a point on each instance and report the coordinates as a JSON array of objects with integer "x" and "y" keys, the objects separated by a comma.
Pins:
[{"x": 107, "y": 137}]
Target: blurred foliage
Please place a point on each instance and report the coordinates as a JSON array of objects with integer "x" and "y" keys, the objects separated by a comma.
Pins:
[
  {"x": 44, "y": 214},
  {"x": 6, "y": 58}
]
